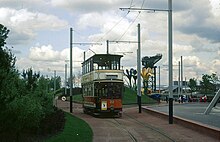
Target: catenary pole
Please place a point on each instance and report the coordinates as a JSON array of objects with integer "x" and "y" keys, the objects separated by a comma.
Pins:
[
  {"x": 71, "y": 72},
  {"x": 65, "y": 79},
  {"x": 181, "y": 79},
  {"x": 54, "y": 88},
  {"x": 139, "y": 69},
  {"x": 178, "y": 79},
  {"x": 170, "y": 52},
  {"x": 170, "y": 55}
]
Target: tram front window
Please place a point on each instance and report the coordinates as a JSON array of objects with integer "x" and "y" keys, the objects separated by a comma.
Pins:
[{"x": 109, "y": 90}]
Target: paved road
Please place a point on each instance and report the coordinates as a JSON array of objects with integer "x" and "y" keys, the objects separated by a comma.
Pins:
[
  {"x": 193, "y": 111},
  {"x": 135, "y": 127}
]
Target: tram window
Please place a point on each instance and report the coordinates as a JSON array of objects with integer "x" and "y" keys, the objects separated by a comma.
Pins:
[
  {"x": 115, "y": 65},
  {"x": 104, "y": 92},
  {"x": 95, "y": 66}
]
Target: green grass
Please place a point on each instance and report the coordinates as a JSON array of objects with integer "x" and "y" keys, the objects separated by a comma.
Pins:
[
  {"x": 130, "y": 97},
  {"x": 75, "y": 130}
]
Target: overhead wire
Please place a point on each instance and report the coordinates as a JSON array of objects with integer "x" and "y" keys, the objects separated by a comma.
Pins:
[
  {"x": 112, "y": 27},
  {"x": 120, "y": 22},
  {"x": 116, "y": 23},
  {"x": 129, "y": 27},
  {"x": 131, "y": 22}
]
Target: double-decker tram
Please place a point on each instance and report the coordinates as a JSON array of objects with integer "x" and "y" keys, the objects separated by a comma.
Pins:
[{"x": 102, "y": 85}]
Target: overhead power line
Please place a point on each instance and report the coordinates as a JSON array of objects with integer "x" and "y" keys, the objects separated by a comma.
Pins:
[
  {"x": 129, "y": 26},
  {"x": 113, "y": 27}
]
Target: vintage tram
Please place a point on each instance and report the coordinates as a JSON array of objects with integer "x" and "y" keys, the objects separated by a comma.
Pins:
[{"x": 102, "y": 85}]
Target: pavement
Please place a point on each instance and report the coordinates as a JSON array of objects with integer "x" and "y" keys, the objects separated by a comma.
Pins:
[
  {"x": 138, "y": 127},
  {"x": 192, "y": 111}
]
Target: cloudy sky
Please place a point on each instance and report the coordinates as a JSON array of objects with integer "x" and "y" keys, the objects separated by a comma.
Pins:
[{"x": 40, "y": 29}]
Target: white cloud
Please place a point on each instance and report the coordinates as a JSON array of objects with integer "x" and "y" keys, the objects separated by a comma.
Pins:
[
  {"x": 45, "y": 59},
  {"x": 44, "y": 53},
  {"x": 215, "y": 66},
  {"x": 24, "y": 24},
  {"x": 88, "y": 5}
]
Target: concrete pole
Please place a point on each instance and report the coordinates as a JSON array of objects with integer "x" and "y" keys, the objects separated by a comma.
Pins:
[
  {"x": 170, "y": 57},
  {"x": 84, "y": 56},
  {"x": 181, "y": 79},
  {"x": 65, "y": 79},
  {"x": 107, "y": 42},
  {"x": 139, "y": 70},
  {"x": 54, "y": 87},
  {"x": 71, "y": 72},
  {"x": 159, "y": 77}
]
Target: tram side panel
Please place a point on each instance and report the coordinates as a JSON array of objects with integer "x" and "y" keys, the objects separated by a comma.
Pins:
[{"x": 109, "y": 97}]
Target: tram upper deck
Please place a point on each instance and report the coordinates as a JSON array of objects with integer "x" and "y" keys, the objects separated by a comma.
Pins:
[{"x": 102, "y": 67}]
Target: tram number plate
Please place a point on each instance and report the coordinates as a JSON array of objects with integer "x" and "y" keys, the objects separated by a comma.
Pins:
[{"x": 104, "y": 105}]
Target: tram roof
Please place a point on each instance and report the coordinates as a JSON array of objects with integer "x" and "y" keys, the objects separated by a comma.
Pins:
[{"x": 108, "y": 57}]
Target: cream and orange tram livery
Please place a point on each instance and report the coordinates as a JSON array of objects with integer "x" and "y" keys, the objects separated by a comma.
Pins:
[{"x": 102, "y": 84}]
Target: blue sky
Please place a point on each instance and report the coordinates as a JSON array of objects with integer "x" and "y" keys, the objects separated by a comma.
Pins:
[{"x": 39, "y": 32}]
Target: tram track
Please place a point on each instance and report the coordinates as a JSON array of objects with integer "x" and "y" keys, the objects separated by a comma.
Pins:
[
  {"x": 151, "y": 127},
  {"x": 120, "y": 126},
  {"x": 120, "y": 123}
]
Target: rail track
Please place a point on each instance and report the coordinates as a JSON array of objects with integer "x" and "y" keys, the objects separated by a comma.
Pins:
[{"x": 128, "y": 124}]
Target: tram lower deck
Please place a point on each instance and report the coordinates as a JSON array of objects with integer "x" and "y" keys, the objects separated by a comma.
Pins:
[{"x": 104, "y": 98}]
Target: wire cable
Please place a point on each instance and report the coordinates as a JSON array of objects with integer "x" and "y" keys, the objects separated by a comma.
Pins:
[
  {"x": 112, "y": 27},
  {"x": 129, "y": 26}
]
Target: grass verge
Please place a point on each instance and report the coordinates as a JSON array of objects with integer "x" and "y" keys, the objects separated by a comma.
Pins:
[
  {"x": 130, "y": 97},
  {"x": 75, "y": 130}
]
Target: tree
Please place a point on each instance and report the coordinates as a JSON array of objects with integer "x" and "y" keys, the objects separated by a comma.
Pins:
[
  {"x": 24, "y": 103},
  {"x": 57, "y": 79},
  {"x": 3, "y": 35},
  {"x": 30, "y": 78},
  {"x": 214, "y": 80},
  {"x": 207, "y": 85},
  {"x": 7, "y": 72},
  {"x": 192, "y": 84}
]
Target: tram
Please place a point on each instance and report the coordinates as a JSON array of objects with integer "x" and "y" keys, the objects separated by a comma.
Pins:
[{"x": 102, "y": 85}]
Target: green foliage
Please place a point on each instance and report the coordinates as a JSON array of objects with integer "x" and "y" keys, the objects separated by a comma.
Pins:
[
  {"x": 24, "y": 103},
  {"x": 26, "y": 113},
  {"x": 207, "y": 84},
  {"x": 3, "y": 35},
  {"x": 192, "y": 84},
  {"x": 31, "y": 79}
]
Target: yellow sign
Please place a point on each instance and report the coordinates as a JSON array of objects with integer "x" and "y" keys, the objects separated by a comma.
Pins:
[{"x": 104, "y": 105}]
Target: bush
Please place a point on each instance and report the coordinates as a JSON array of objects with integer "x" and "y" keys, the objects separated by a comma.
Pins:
[{"x": 52, "y": 123}]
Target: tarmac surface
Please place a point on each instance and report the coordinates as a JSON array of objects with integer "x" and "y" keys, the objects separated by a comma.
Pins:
[
  {"x": 136, "y": 127},
  {"x": 194, "y": 112}
]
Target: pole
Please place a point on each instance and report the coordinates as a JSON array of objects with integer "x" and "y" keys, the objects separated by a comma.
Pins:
[
  {"x": 65, "y": 79},
  {"x": 139, "y": 70},
  {"x": 71, "y": 71},
  {"x": 155, "y": 78},
  {"x": 159, "y": 78},
  {"x": 54, "y": 86},
  {"x": 107, "y": 42},
  {"x": 170, "y": 55},
  {"x": 181, "y": 79},
  {"x": 178, "y": 79}
]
